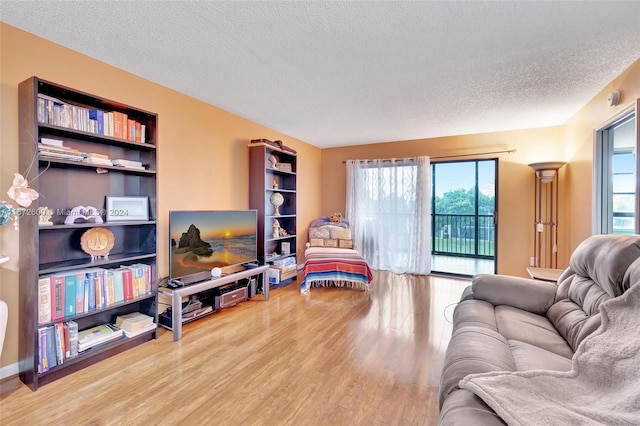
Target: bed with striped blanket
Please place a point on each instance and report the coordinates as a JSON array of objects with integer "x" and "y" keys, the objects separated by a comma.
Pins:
[{"x": 335, "y": 267}]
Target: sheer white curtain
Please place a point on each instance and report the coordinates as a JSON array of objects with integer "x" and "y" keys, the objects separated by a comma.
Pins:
[{"x": 389, "y": 209}]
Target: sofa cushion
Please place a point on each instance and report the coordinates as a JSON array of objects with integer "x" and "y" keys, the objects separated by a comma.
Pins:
[
  {"x": 516, "y": 324},
  {"x": 602, "y": 267},
  {"x": 464, "y": 407},
  {"x": 473, "y": 350},
  {"x": 528, "y": 294},
  {"x": 529, "y": 357},
  {"x": 604, "y": 259},
  {"x": 476, "y": 313},
  {"x": 572, "y": 322}
]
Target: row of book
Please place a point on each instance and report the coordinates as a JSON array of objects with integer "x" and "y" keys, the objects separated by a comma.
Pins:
[
  {"x": 65, "y": 295},
  {"x": 54, "y": 148},
  {"x": 109, "y": 123},
  {"x": 56, "y": 344}
]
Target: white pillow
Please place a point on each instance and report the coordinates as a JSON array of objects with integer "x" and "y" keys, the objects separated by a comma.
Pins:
[{"x": 340, "y": 233}]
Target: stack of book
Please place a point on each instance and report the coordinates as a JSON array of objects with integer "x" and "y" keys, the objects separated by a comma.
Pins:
[
  {"x": 135, "y": 323},
  {"x": 55, "y": 149},
  {"x": 129, "y": 164},
  {"x": 97, "y": 335},
  {"x": 97, "y": 159}
]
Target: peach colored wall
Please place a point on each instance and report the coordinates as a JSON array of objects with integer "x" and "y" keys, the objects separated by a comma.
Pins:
[
  {"x": 572, "y": 143},
  {"x": 203, "y": 157},
  {"x": 579, "y": 137},
  {"x": 515, "y": 179}
]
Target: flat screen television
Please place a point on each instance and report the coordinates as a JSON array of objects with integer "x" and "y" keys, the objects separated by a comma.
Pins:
[{"x": 205, "y": 239}]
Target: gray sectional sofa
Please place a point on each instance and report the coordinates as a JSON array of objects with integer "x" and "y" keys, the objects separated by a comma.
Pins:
[{"x": 505, "y": 323}]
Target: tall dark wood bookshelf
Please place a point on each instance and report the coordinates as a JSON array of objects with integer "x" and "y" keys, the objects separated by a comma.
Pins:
[
  {"x": 64, "y": 184},
  {"x": 264, "y": 181}
]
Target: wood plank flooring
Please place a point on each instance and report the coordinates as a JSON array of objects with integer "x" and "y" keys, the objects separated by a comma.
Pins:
[{"x": 335, "y": 357}]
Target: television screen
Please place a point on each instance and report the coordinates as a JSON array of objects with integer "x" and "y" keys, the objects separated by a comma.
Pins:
[{"x": 202, "y": 240}]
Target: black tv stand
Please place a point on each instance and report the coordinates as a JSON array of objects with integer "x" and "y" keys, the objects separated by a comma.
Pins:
[{"x": 177, "y": 294}]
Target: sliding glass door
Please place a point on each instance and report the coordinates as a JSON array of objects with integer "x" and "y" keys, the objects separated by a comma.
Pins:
[{"x": 463, "y": 225}]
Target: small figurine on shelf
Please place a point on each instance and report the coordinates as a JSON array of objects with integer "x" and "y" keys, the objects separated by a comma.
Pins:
[
  {"x": 276, "y": 228},
  {"x": 273, "y": 162},
  {"x": 44, "y": 216},
  {"x": 275, "y": 184}
]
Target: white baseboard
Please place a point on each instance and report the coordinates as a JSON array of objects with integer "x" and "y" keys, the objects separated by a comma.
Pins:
[{"x": 9, "y": 371}]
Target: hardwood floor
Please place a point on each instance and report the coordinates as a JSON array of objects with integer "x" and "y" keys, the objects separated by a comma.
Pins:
[{"x": 335, "y": 357}]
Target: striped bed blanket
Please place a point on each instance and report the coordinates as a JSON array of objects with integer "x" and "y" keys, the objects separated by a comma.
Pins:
[{"x": 335, "y": 266}]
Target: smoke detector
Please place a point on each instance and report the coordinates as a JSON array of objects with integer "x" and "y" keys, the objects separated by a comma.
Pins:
[{"x": 614, "y": 98}]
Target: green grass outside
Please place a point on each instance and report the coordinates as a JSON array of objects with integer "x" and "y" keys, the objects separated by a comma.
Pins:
[{"x": 463, "y": 246}]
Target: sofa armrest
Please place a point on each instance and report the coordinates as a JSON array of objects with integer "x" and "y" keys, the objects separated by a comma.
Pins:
[{"x": 531, "y": 295}]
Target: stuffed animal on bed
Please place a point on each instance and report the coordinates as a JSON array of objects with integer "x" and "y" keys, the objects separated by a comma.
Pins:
[{"x": 336, "y": 217}]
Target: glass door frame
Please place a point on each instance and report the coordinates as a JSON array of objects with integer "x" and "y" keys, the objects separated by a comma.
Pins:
[
  {"x": 475, "y": 254},
  {"x": 603, "y": 169}
]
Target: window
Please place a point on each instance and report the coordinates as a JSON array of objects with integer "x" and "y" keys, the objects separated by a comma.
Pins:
[{"x": 616, "y": 197}]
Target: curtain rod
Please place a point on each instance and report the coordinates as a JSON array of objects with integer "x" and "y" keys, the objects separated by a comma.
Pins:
[{"x": 508, "y": 151}]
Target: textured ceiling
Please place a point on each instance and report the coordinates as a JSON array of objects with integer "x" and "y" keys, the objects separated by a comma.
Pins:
[{"x": 345, "y": 73}]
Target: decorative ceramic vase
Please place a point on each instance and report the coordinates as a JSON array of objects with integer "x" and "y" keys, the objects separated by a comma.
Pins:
[{"x": 276, "y": 201}]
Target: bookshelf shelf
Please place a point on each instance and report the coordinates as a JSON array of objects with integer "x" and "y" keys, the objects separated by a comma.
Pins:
[
  {"x": 118, "y": 305},
  {"x": 288, "y": 237},
  {"x": 94, "y": 225},
  {"x": 93, "y": 355},
  {"x": 55, "y": 162},
  {"x": 53, "y": 130},
  {"x": 53, "y": 254}
]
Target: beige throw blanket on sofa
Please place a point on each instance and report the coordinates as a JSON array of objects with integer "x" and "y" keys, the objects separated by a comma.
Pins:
[{"x": 602, "y": 388}]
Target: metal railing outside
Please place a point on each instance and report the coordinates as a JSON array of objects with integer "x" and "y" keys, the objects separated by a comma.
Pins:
[{"x": 463, "y": 235}]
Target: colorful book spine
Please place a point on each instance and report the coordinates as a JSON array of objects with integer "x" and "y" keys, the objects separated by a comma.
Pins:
[
  {"x": 146, "y": 275},
  {"x": 135, "y": 272},
  {"x": 124, "y": 120},
  {"x": 67, "y": 347},
  {"x": 131, "y": 124},
  {"x": 43, "y": 362},
  {"x": 143, "y": 134},
  {"x": 58, "y": 330},
  {"x": 70, "y": 289},
  {"x": 110, "y": 286},
  {"x": 117, "y": 124},
  {"x": 57, "y": 297},
  {"x": 91, "y": 284},
  {"x": 86, "y": 293},
  {"x": 127, "y": 278},
  {"x": 97, "y": 283},
  {"x": 103, "y": 288},
  {"x": 80, "y": 293},
  {"x": 118, "y": 285},
  {"x": 98, "y": 116},
  {"x": 73, "y": 338},
  {"x": 44, "y": 300},
  {"x": 51, "y": 347}
]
